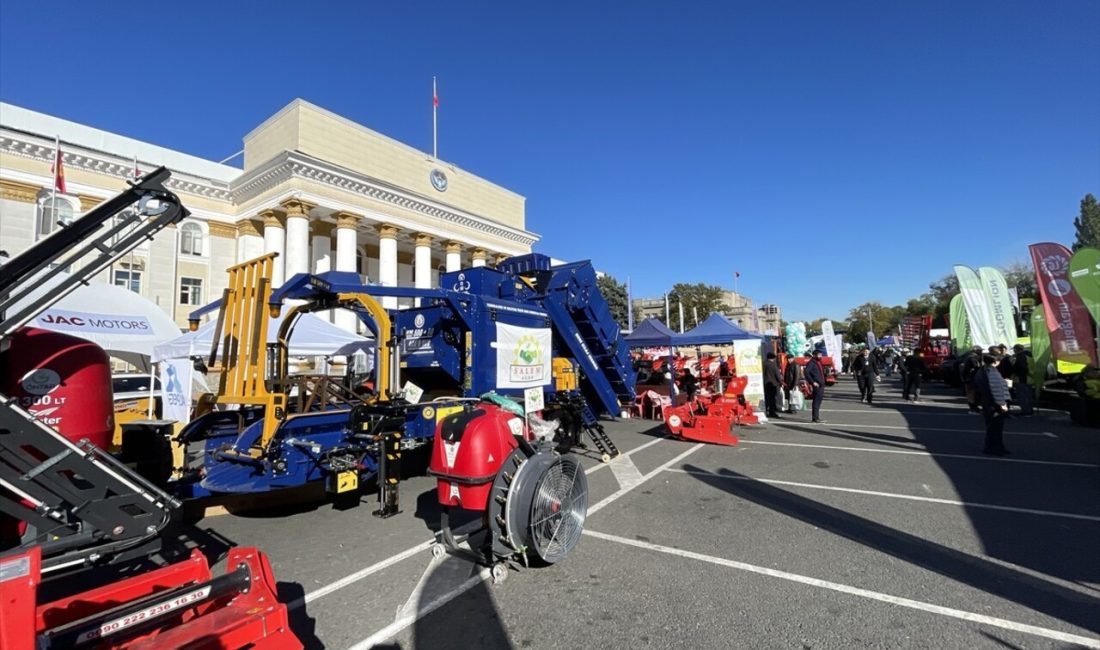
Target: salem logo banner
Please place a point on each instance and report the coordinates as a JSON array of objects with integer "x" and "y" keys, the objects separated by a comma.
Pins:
[{"x": 523, "y": 356}]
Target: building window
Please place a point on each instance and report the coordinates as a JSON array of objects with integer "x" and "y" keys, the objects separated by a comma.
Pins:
[
  {"x": 128, "y": 279},
  {"x": 52, "y": 211},
  {"x": 191, "y": 239},
  {"x": 190, "y": 291}
]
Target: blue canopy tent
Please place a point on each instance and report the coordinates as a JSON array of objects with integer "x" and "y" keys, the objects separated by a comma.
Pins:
[
  {"x": 715, "y": 330},
  {"x": 652, "y": 333}
]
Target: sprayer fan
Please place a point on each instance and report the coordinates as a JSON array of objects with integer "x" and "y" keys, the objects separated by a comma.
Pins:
[{"x": 547, "y": 506}]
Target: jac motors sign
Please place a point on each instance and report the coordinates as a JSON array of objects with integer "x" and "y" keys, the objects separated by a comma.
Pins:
[{"x": 78, "y": 322}]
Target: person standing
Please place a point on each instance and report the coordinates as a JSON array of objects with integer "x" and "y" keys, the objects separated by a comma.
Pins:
[
  {"x": 914, "y": 373},
  {"x": 815, "y": 375},
  {"x": 688, "y": 384},
  {"x": 773, "y": 381},
  {"x": 903, "y": 372},
  {"x": 1021, "y": 376},
  {"x": 993, "y": 391},
  {"x": 968, "y": 371},
  {"x": 866, "y": 374},
  {"x": 792, "y": 377}
]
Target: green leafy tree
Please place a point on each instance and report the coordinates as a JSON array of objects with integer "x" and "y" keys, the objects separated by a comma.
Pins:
[
  {"x": 614, "y": 292},
  {"x": 873, "y": 316},
  {"x": 704, "y": 298},
  {"x": 1088, "y": 224},
  {"x": 1022, "y": 276}
]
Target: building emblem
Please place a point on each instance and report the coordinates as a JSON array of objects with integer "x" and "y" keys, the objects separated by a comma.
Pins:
[{"x": 439, "y": 180}]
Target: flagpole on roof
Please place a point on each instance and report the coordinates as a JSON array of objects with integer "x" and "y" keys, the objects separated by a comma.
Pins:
[{"x": 435, "y": 123}]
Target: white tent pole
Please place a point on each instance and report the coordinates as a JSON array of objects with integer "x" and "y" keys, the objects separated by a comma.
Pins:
[{"x": 152, "y": 384}]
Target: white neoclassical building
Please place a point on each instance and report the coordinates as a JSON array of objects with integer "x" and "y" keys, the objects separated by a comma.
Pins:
[{"x": 322, "y": 191}]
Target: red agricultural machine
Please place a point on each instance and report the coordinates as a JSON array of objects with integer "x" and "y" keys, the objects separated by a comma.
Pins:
[
  {"x": 711, "y": 418},
  {"x": 83, "y": 551}
]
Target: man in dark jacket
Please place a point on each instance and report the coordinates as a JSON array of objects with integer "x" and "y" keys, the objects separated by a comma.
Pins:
[
  {"x": 773, "y": 381},
  {"x": 903, "y": 372},
  {"x": 866, "y": 374},
  {"x": 914, "y": 373},
  {"x": 815, "y": 376},
  {"x": 967, "y": 372},
  {"x": 688, "y": 384},
  {"x": 1021, "y": 381},
  {"x": 792, "y": 377},
  {"x": 993, "y": 390}
]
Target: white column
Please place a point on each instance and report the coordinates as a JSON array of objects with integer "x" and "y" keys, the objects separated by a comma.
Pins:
[
  {"x": 422, "y": 262},
  {"x": 297, "y": 237},
  {"x": 387, "y": 261},
  {"x": 250, "y": 241},
  {"x": 322, "y": 247},
  {"x": 321, "y": 255},
  {"x": 347, "y": 225},
  {"x": 275, "y": 242},
  {"x": 477, "y": 258},
  {"x": 454, "y": 256}
]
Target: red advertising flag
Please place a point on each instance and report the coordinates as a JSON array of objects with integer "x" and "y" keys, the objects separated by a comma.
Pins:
[
  {"x": 58, "y": 170},
  {"x": 1072, "y": 337}
]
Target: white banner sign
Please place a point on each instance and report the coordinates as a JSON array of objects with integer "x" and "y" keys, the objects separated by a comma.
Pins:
[
  {"x": 175, "y": 383},
  {"x": 61, "y": 320},
  {"x": 523, "y": 356},
  {"x": 748, "y": 362},
  {"x": 831, "y": 347}
]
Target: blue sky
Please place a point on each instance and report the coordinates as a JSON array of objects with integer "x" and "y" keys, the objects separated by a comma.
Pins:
[{"x": 832, "y": 152}]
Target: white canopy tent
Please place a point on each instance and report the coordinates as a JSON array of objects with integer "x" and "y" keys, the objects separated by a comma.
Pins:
[
  {"x": 310, "y": 337},
  {"x": 116, "y": 319}
]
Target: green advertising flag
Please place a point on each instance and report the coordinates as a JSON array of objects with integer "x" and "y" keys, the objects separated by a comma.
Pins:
[
  {"x": 1000, "y": 305},
  {"x": 1040, "y": 348},
  {"x": 1084, "y": 275},
  {"x": 960, "y": 327}
]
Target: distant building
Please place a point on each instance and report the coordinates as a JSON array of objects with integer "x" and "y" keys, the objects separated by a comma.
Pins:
[
  {"x": 740, "y": 309},
  {"x": 651, "y": 307},
  {"x": 321, "y": 191}
]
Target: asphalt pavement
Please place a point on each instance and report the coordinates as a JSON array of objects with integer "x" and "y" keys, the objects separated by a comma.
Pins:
[{"x": 884, "y": 527}]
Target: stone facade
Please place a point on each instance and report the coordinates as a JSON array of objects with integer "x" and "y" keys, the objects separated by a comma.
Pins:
[{"x": 323, "y": 192}]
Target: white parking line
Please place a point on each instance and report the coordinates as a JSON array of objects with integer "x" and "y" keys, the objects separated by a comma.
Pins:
[
  {"x": 900, "y": 412},
  {"x": 1065, "y": 637},
  {"x": 624, "y": 490},
  {"x": 404, "y": 621},
  {"x": 626, "y": 472},
  {"x": 939, "y": 429},
  {"x": 893, "y": 495},
  {"x": 921, "y": 453}
]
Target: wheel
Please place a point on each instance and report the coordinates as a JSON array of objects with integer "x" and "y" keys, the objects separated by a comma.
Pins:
[
  {"x": 606, "y": 458},
  {"x": 438, "y": 551},
  {"x": 499, "y": 573}
]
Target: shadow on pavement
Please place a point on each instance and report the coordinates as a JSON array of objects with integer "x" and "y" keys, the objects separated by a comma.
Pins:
[
  {"x": 301, "y": 623},
  {"x": 1034, "y": 593}
]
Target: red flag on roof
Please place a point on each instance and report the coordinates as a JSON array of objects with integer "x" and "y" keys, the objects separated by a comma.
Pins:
[{"x": 58, "y": 168}]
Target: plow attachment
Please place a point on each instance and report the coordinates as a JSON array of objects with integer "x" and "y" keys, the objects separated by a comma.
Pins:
[
  {"x": 178, "y": 606},
  {"x": 711, "y": 419}
]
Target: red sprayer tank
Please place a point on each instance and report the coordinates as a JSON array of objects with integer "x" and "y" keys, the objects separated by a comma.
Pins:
[
  {"x": 63, "y": 380},
  {"x": 469, "y": 448}
]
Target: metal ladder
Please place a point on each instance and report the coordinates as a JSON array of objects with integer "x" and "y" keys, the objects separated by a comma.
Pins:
[{"x": 80, "y": 505}]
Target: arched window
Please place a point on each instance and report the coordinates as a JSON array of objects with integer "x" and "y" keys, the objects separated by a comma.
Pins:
[
  {"x": 191, "y": 239},
  {"x": 51, "y": 211}
]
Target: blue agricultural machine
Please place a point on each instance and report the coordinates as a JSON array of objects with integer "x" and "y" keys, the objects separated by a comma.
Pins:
[{"x": 451, "y": 371}]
